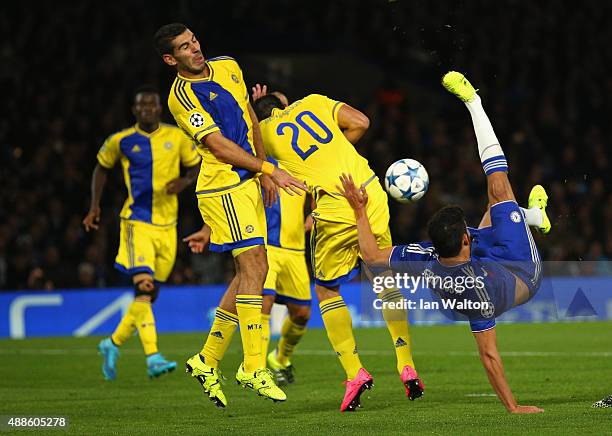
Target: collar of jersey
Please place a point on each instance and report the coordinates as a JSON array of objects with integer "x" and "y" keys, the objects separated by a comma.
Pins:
[
  {"x": 142, "y": 132},
  {"x": 453, "y": 266},
  {"x": 204, "y": 79}
]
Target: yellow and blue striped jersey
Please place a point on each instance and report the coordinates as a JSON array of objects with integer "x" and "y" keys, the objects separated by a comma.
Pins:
[
  {"x": 149, "y": 162},
  {"x": 285, "y": 220},
  {"x": 216, "y": 103},
  {"x": 306, "y": 140}
]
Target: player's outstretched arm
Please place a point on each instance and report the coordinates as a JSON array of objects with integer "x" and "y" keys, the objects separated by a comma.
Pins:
[
  {"x": 98, "y": 181},
  {"x": 353, "y": 123},
  {"x": 492, "y": 362},
  {"x": 229, "y": 152},
  {"x": 358, "y": 198}
]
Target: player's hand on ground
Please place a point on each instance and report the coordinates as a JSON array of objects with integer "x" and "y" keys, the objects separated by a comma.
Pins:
[
  {"x": 526, "y": 409},
  {"x": 92, "y": 219},
  {"x": 270, "y": 190},
  {"x": 199, "y": 240},
  {"x": 259, "y": 91},
  {"x": 177, "y": 185},
  {"x": 286, "y": 181},
  {"x": 357, "y": 198}
]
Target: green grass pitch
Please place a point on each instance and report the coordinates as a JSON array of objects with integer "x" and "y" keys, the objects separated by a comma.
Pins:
[{"x": 563, "y": 368}]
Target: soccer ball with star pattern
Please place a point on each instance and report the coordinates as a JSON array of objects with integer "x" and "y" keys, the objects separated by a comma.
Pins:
[{"x": 406, "y": 180}]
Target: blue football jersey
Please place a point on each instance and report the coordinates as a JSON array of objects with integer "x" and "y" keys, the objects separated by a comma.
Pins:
[{"x": 480, "y": 289}]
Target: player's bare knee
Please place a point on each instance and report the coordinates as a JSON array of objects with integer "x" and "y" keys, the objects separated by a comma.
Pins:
[
  {"x": 300, "y": 315},
  {"x": 267, "y": 303},
  {"x": 325, "y": 293}
]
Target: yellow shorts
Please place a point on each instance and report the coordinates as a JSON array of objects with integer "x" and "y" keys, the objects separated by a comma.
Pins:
[
  {"x": 333, "y": 240},
  {"x": 145, "y": 248},
  {"x": 288, "y": 276},
  {"x": 237, "y": 219}
]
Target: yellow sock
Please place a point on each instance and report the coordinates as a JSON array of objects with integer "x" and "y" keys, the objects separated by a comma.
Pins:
[
  {"x": 265, "y": 338},
  {"x": 339, "y": 326},
  {"x": 219, "y": 337},
  {"x": 249, "y": 318},
  {"x": 397, "y": 324},
  {"x": 291, "y": 334},
  {"x": 127, "y": 326},
  {"x": 145, "y": 323}
]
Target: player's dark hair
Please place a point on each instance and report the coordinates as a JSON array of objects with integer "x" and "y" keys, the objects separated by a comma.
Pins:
[
  {"x": 145, "y": 89},
  {"x": 263, "y": 106},
  {"x": 164, "y": 36},
  {"x": 446, "y": 229}
]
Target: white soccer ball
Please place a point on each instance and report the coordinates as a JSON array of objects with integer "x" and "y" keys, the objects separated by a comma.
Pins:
[{"x": 406, "y": 180}]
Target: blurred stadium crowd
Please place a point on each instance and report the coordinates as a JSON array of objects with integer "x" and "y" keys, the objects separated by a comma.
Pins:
[{"x": 68, "y": 70}]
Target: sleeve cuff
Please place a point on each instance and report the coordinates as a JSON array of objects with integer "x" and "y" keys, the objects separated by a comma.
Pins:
[
  {"x": 201, "y": 133},
  {"x": 106, "y": 165},
  {"x": 336, "y": 108}
]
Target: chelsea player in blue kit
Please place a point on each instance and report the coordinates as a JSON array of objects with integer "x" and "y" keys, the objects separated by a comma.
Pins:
[{"x": 481, "y": 272}]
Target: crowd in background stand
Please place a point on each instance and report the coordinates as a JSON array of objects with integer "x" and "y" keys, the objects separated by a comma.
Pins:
[{"x": 542, "y": 70}]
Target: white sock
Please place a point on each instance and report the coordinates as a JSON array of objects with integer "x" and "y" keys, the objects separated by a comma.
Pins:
[
  {"x": 489, "y": 150},
  {"x": 533, "y": 216}
]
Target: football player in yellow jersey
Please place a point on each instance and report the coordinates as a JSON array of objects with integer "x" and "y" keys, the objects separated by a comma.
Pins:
[
  {"x": 287, "y": 282},
  {"x": 313, "y": 139},
  {"x": 210, "y": 102},
  {"x": 151, "y": 154}
]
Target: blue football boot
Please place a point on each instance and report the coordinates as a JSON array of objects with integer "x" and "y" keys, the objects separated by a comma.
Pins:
[
  {"x": 109, "y": 353},
  {"x": 157, "y": 365}
]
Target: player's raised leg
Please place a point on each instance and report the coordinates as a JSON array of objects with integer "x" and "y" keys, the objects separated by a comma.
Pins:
[
  {"x": 491, "y": 154},
  {"x": 493, "y": 159},
  {"x": 513, "y": 240}
]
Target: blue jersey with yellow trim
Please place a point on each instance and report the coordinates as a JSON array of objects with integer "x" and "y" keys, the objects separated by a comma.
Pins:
[
  {"x": 306, "y": 139},
  {"x": 216, "y": 103},
  {"x": 285, "y": 220},
  {"x": 149, "y": 162}
]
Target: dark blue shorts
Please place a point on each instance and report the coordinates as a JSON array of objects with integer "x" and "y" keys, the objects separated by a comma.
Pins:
[{"x": 509, "y": 241}]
